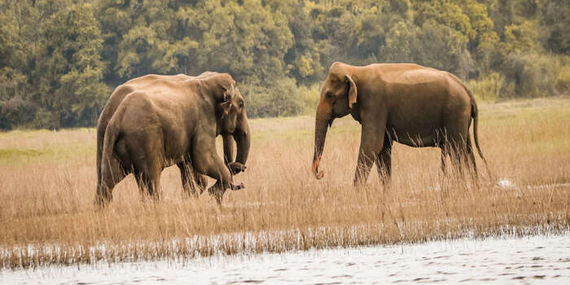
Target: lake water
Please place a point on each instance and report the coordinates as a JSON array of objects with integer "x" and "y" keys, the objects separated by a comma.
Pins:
[{"x": 507, "y": 260}]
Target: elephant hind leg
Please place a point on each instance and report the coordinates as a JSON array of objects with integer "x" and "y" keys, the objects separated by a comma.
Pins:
[
  {"x": 147, "y": 173},
  {"x": 461, "y": 152},
  {"x": 192, "y": 182},
  {"x": 444, "y": 155},
  {"x": 185, "y": 176},
  {"x": 201, "y": 182},
  {"x": 457, "y": 154},
  {"x": 470, "y": 156},
  {"x": 144, "y": 151},
  {"x": 110, "y": 177},
  {"x": 454, "y": 148},
  {"x": 149, "y": 184}
]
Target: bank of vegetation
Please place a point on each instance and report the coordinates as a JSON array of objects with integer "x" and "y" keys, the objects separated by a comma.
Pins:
[
  {"x": 48, "y": 215},
  {"x": 60, "y": 59}
]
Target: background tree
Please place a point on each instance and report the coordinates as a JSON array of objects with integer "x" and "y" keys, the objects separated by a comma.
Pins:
[
  {"x": 69, "y": 68},
  {"x": 60, "y": 59},
  {"x": 18, "y": 29}
]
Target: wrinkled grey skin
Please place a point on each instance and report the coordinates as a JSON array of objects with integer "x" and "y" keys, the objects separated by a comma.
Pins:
[
  {"x": 405, "y": 103},
  {"x": 157, "y": 121}
]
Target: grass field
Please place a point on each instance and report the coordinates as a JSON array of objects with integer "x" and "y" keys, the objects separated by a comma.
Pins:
[{"x": 47, "y": 190}]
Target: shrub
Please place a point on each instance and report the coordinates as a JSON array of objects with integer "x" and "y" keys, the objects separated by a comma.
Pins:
[
  {"x": 488, "y": 87},
  {"x": 563, "y": 78},
  {"x": 280, "y": 97},
  {"x": 310, "y": 97},
  {"x": 15, "y": 112},
  {"x": 46, "y": 120},
  {"x": 530, "y": 75}
]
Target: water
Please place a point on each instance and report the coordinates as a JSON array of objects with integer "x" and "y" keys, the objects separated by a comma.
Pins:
[{"x": 526, "y": 260}]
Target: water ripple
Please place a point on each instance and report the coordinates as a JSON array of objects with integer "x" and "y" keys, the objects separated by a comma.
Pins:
[{"x": 527, "y": 260}]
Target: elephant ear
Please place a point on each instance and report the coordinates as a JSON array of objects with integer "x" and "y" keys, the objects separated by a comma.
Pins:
[
  {"x": 228, "y": 95},
  {"x": 352, "y": 91},
  {"x": 226, "y": 106}
]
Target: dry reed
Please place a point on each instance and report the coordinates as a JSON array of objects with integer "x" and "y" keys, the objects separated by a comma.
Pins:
[{"x": 48, "y": 216}]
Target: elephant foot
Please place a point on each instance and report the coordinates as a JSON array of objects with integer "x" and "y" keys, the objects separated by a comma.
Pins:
[
  {"x": 101, "y": 203},
  {"x": 218, "y": 195},
  {"x": 217, "y": 192},
  {"x": 236, "y": 167},
  {"x": 237, "y": 187},
  {"x": 201, "y": 183},
  {"x": 103, "y": 198}
]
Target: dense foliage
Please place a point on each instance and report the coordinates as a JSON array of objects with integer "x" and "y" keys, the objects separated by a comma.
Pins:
[{"x": 61, "y": 59}]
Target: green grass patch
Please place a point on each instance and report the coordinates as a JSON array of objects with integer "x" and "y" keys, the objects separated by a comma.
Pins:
[
  {"x": 22, "y": 156},
  {"x": 14, "y": 153},
  {"x": 537, "y": 123}
]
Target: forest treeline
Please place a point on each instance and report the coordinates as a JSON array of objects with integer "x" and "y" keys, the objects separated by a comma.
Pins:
[{"x": 61, "y": 59}]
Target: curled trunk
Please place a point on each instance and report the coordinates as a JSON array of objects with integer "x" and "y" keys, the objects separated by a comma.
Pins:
[
  {"x": 229, "y": 153},
  {"x": 242, "y": 137},
  {"x": 243, "y": 140}
]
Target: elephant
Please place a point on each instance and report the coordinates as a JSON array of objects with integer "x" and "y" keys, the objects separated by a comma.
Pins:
[
  {"x": 156, "y": 121},
  {"x": 190, "y": 178},
  {"x": 397, "y": 102}
]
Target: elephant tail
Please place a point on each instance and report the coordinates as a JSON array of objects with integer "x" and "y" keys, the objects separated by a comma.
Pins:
[
  {"x": 100, "y": 141},
  {"x": 475, "y": 116}
]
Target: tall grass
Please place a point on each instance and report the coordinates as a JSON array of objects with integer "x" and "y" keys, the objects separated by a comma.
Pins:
[{"x": 48, "y": 216}]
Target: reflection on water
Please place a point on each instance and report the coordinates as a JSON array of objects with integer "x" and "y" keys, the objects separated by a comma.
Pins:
[{"x": 526, "y": 260}]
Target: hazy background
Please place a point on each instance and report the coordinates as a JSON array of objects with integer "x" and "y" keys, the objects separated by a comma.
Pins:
[{"x": 61, "y": 59}]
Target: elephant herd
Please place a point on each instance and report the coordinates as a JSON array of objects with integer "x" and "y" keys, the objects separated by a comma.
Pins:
[{"x": 156, "y": 121}]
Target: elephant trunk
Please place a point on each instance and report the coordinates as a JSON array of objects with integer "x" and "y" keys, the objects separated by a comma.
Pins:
[
  {"x": 229, "y": 153},
  {"x": 321, "y": 127},
  {"x": 243, "y": 140}
]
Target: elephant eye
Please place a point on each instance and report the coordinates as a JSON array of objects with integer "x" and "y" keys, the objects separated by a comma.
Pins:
[{"x": 329, "y": 95}]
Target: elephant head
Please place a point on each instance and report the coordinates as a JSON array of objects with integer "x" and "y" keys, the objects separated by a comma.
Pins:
[
  {"x": 233, "y": 125},
  {"x": 337, "y": 98}
]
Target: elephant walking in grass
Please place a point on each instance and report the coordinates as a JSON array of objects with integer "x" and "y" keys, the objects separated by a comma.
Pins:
[
  {"x": 406, "y": 103},
  {"x": 156, "y": 121}
]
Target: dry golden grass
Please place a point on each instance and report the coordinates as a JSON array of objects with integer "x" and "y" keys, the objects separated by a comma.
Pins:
[{"x": 48, "y": 216}]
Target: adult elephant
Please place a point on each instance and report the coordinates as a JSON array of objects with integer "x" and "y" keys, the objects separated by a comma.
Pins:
[
  {"x": 190, "y": 178},
  {"x": 156, "y": 121},
  {"x": 406, "y": 103}
]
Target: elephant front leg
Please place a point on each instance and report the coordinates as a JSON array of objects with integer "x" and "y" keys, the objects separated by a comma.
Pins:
[
  {"x": 364, "y": 164},
  {"x": 370, "y": 145},
  {"x": 218, "y": 189},
  {"x": 384, "y": 162},
  {"x": 206, "y": 161}
]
